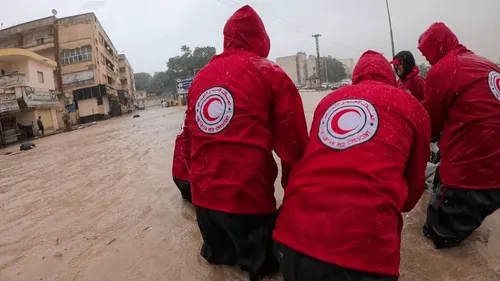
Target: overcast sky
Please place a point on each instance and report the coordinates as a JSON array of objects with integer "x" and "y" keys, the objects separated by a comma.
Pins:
[{"x": 151, "y": 31}]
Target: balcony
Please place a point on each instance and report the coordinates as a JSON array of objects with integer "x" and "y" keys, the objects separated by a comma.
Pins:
[
  {"x": 39, "y": 45},
  {"x": 13, "y": 80}
]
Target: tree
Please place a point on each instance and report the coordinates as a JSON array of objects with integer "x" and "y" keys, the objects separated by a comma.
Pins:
[
  {"x": 334, "y": 68},
  {"x": 424, "y": 69},
  {"x": 142, "y": 80},
  {"x": 181, "y": 66}
]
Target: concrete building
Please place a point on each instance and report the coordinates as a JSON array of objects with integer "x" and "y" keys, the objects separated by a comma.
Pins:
[
  {"x": 27, "y": 91},
  {"x": 295, "y": 67},
  {"x": 348, "y": 65},
  {"x": 127, "y": 82},
  {"x": 88, "y": 63}
]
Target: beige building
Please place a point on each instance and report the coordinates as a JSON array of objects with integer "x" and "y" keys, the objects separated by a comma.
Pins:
[
  {"x": 348, "y": 65},
  {"x": 27, "y": 91},
  {"x": 301, "y": 69},
  {"x": 127, "y": 83},
  {"x": 88, "y": 61}
]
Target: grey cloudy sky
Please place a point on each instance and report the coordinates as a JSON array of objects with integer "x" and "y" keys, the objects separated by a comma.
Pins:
[{"x": 151, "y": 31}]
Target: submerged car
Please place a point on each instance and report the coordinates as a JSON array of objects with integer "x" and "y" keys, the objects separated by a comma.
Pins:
[{"x": 141, "y": 107}]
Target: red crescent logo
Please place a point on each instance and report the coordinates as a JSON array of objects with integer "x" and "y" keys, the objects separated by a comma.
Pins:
[
  {"x": 335, "y": 121},
  {"x": 206, "y": 114},
  {"x": 497, "y": 83}
]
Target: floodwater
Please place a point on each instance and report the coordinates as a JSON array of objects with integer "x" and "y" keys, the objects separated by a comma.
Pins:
[{"x": 99, "y": 204}]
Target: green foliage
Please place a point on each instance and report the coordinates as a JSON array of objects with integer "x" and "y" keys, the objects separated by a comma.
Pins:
[
  {"x": 178, "y": 67},
  {"x": 335, "y": 70},
  {"x": 142, "y": 80}
]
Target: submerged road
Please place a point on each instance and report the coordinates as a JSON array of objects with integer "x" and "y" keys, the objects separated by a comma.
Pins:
[{"x": 99, "y": 204}]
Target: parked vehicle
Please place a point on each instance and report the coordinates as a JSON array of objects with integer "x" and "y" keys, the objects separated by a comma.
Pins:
[{"x": 141, "y": 107}]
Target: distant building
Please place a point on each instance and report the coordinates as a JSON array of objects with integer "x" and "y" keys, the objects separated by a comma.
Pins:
[
  {"x": 27, "y": 91},
  {"x": 88, "y": 61},
  {"x": 348, "y": 65},
  {"x": 295, "y": 67}
]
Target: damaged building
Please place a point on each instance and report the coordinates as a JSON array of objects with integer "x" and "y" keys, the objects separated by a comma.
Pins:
[{"x": 88, "y": 66}]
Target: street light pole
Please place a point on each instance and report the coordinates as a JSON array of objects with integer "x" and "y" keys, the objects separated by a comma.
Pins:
[{"x": 390, "y": 28}]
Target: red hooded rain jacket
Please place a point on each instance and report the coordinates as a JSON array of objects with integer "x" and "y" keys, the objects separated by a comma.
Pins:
[
  {"x": 179, "y": 163},
  {"x": 241, "y": 107},
  {"x": 414, "y": 84},
  {"x": 364, "y": 165},
  {"x": 463, "y": 102}
]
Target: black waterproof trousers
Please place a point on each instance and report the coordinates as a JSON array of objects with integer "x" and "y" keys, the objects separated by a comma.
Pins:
[
  {"x": 185, "y": 189},
  {"x": 296, "y": 266},
  {"x": 453, "y": 213},
  {"x": 235, "y": 239}
]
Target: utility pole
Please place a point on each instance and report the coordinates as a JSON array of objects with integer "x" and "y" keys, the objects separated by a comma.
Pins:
[
  {"x": 318, "y": 64},
  {"x": 390, "y": 28}
]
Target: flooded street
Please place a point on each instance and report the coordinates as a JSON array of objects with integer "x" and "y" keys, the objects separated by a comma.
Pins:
[{"x": 99, "y": 204}]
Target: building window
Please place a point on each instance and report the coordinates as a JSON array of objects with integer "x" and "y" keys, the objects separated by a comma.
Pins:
[
  {"x": 76, "y": 55},
  {"x": 40, "y": 41},
  {"x": 40, "y": 77}
]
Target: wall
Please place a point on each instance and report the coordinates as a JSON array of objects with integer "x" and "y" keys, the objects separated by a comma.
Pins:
[
  {"x": 48, "y": 75},
  {"x": 46, "y": 115},
  {"x": 85, "y": 107},
  {"x": 26, "y": 117},
  {"x": 289, "y": 65},
  {"x": 105, "y": 104},
  {"x": 20, "y": 66}
]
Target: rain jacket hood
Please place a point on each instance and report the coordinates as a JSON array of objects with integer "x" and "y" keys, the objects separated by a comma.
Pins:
[
  {"x": 245, "y": 31},
  {"x": 373, "y": 66},
  {"x": 437, "y": 41},
  {"x": 408, "y": 61}
]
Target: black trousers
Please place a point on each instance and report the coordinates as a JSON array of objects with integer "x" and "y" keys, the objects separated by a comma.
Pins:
[
  {"x": 296, "y": 266},
  {"x": 453, "y": 214},
  {"x": 234, "y": 239},
  {"x": 185, "y": 189},
  {"x": 42, "y": 129}
]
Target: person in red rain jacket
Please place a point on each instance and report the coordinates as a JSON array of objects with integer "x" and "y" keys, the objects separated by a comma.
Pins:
[
  {"x": 364, "y": 165},
  {"x": 241, "y": 107},
  {"x": 463, "y": 102},
  {"x": 408, "y": 71},
  {"x": 180, "y": 171}
]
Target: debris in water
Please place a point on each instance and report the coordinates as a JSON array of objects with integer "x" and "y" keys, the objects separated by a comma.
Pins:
[
  {"x": 136, "y": 116},
  {"x": 112, "y": 240},
  {"x": 57, "y": 241},
  {"x": 57, "y": 255},
  {"x": 27, "y": 146},
  {"x": 149, "y": 227}
]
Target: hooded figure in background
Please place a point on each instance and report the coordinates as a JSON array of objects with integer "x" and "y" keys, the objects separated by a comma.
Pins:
[
  {"x": 408, "y": 73},
  {"x": 463, "y": 102},
  {"x": 241, "y": 107},
  {"x": 364, "y": 164}
]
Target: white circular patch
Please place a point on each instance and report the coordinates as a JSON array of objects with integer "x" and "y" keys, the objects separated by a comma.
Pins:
[
  {"x": 181, "y": 129},
  {"x": 214, "y": 110},
  {"x": 348, "y": 123},
  {"x": 494, "y": 83}
]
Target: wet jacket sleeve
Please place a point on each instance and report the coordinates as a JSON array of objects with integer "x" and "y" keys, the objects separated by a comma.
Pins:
[
  {"x": 289, "y": 123},
  {"x": 417, "y": 162},
  {"x": 439, "y": 93},
  {"x": 184, "y": 137},
  {"x": 417, "y": 88}
]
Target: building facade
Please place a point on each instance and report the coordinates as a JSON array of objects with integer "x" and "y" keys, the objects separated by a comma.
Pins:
[
  {"x": 27, "y": 92},
  {"x": 88, "y": 64},
  {"x": 348, "y": 65},
  {"x": 127, "y": 83}
]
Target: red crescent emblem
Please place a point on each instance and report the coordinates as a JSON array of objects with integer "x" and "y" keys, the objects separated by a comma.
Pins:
[
  {"x": 335, "y": 121},
  {"x": 497, "y": 83},
  {"x": 206, "y": 114}
]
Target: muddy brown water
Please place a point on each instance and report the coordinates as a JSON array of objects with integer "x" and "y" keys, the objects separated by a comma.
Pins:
[{"x": 99, "y": 204}]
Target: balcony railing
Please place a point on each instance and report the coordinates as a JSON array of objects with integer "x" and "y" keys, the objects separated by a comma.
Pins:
[{"x": 13, "y": 80}]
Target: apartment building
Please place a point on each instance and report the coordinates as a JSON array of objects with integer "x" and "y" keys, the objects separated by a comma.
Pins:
[
  {"x": 127, "y": 82},
  {"x": 27, "y": 92},
  {"x": 88, "y": 64}
]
